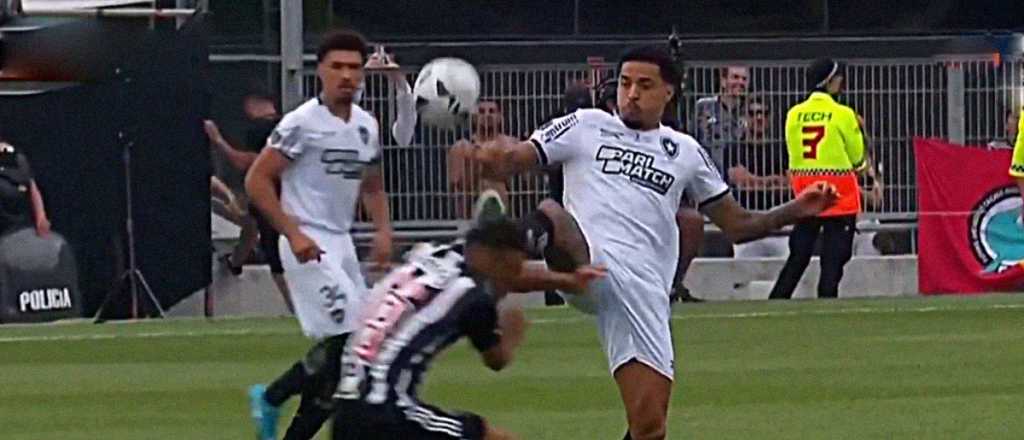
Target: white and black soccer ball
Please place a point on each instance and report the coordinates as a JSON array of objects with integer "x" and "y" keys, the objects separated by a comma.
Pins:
[{"x": 446, "y": 92}]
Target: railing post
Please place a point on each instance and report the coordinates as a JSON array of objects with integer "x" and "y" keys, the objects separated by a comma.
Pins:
[
  {"x": 955, "y": 97},
  {"x": 291, "y": 54}
]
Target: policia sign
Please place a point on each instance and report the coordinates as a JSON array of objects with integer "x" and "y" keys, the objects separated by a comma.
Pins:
[{"x": 38, "y": 278}]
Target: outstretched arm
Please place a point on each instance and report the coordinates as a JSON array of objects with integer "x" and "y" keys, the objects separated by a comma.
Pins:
[
  {"x": 507, "y": 158},
  {"x": 741, "y": 226},
  {"x": 535, "y": 276},
  {"x": 241, "y": 160}
]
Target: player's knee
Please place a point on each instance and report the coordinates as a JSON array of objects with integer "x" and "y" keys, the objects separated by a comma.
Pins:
[
  {"x": 538, "y": 231},
  {"x": 650, "y": 426}
]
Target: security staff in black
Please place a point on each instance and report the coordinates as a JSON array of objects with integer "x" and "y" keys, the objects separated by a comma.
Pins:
[{"x": 15, "y": 189}]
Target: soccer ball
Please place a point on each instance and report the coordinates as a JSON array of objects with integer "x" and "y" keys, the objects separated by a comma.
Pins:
[{"x": 446, "y": 92}]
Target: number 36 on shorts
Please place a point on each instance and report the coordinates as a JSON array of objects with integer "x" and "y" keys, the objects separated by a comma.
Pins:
[{"x": 334, "y": 300}]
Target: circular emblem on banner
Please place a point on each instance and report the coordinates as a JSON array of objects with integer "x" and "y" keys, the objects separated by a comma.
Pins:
[{"x": 996, "y": 232}]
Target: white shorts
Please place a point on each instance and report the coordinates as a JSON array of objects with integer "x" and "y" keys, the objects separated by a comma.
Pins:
[
  {"x": 633, "y": 317},
  {"x": 327, "y": 295}
]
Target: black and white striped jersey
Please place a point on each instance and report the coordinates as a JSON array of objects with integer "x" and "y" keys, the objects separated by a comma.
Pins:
[{"x": 415, "y": 312}]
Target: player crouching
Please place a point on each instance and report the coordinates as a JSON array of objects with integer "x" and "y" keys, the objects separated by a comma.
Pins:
[{"x": 441, "y": 293}]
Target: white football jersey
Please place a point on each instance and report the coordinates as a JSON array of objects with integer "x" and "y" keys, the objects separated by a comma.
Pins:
[
  {"x": 320, "y": 188},
  {"x": 623, "y": 187}
]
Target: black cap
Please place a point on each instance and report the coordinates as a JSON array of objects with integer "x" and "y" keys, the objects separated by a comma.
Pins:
[{"x": 821, "y": 71}]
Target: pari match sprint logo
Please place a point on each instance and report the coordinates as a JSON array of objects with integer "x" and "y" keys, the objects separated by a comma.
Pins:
[{"x": 996, "y": 231}]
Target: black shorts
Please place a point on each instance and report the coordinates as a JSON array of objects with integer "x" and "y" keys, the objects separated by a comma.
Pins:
[
  {"x": 355, "y": 420},
  {"x": 269, "y": 238}
]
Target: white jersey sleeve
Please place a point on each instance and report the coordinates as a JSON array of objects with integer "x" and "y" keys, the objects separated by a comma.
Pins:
[
  {"x": 559, "y": 140},
  {"x": 706, "y": 185},
  {"x": 287, "y": 137},
  {"x": 375, "y": 141}
]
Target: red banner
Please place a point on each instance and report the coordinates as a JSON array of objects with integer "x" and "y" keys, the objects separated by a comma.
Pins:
[{"x": 971, "y": 238}]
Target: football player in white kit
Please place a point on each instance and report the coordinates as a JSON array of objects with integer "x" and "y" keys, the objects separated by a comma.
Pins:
[
  {"x": 624, "y": 177},
  {"x": 325, "y": 155}
]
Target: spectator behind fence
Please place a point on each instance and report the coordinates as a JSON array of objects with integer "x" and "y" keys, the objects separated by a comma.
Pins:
[
  {"x": 21, "y": 202},
  {"x": 1009, "y": 129},
  {"x": 757, "y": 171},
  {"x": 464, "y": 173},
  {"x": 721, "y": 119},
  {"x": 261, "y": 115}
]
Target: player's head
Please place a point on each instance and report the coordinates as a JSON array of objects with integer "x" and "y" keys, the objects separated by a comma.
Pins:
[
  {"x": 577, "y": 95},
  {"x": 734, "y": 80},
  {"x": 826, "y": 75},
  {"x": 647, "y": 82},
  {"x": 495, "y": 249},
  {"x": 488, "y": 117},
  {"x": 758, "y": 117},
  {"x": 259, "y": 106},
  {"x": 340, "y": 60},
  {"x": 607, "y": 95}
]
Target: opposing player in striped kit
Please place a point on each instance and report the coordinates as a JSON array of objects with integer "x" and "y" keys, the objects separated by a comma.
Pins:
[{"x": 442, "y": 293}]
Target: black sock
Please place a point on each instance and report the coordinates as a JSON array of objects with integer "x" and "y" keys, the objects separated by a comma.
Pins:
[
  {"x": 308, "y": 420},
  {"x": 537, "y": 232},
  {"x": 288, "y": 385}
]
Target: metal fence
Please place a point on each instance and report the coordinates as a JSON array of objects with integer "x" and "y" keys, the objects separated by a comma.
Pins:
[{"x": 965, "y": 99}]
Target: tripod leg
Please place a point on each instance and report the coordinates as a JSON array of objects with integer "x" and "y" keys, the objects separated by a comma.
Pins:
[
  {"x": 110, "y": 296},
  {"x": 149, "y": 292}
]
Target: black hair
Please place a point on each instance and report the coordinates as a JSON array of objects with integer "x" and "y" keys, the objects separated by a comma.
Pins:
[
  {"x": 658, "y": 56},
  {"x": 342, "y": 40},
  {"x": 500, "y": 233},
  {"x": 821, "y": 71},
  {"x": 606, "y": 91}
]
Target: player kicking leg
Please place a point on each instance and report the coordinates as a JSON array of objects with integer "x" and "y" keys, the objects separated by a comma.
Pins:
[
  {"x": 624, "y": 177},
  {"x": 320, "y": 184}
]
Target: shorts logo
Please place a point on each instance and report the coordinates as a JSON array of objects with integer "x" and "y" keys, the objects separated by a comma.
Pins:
[
  {"x": 639, "y": 167},
  {"x": 996, "y": 233},
  {"x": 671, "y": 147},
  {"x": 555, "y": 129},
  {"x": 334, "y": 301}
]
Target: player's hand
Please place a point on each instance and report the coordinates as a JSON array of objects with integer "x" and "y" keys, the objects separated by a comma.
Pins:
[
  {"x": 741, "y": 176},
  {"x": 304, "y": 248},
  {"x": 816, "y": 198},
  {"x": 584, "y": 275},
  {"x": 213, "y": 133},
  {"x": 381, "y": 253}
]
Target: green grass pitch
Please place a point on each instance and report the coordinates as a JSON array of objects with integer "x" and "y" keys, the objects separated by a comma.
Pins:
[{"x": 921, "y": 368}]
